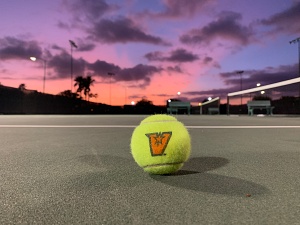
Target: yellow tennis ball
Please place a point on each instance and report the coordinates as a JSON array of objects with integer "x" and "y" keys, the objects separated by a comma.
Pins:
[{"x": 160, "y": 144}]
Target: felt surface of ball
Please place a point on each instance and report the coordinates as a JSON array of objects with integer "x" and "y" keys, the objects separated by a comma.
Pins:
[{"x": 160, "y": 144}]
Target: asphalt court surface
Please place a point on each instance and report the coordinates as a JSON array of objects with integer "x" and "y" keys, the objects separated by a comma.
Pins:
[{"x": 59, "y": 169}]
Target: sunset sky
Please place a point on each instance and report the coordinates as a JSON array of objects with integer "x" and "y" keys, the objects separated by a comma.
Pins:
[{"x": 155, "y": 48}]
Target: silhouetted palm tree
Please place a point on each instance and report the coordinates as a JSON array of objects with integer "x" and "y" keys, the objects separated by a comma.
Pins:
[
  {"x": 84, "y": 84},
  {"x": 79, "y": 81},
  {"x": 88, "y": 81}
]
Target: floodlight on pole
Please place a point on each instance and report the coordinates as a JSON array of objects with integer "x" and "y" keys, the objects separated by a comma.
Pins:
[
  {"x": 241, "y": 75},
  {"x": 32, "y": 58},
  {"x": 72, "y": 44},
  {"x": 297, "y": 40},
  {"x": 110, "y": 74}
]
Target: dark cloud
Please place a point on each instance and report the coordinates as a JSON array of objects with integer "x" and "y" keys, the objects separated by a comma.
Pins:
[
  {"x": 90, "y": 10},
  {"x": 101, "y": 68},
  {"x": 56, "y": 47},
  {"x": 13, "y": 48},
  {"x": 175, "y": 69},
  {"x": 61, "y": 65},
  {"x": 122, "y": 30},
  {"x": 250, "y": 78},
  {"x": 88, "y": 15},
  {"x": 266, "y": 76},
  {"x": 154, "y": 56},
  {"x": 139, "y": 72},
  {"x": 84, "y": 45},
  {"x": 227, "y": 27},
  {"x": 182, "y": 55},
  {"x": 179, "y": 55},
  {"x": 183, "y": 8},
  {"x": 287, "y": 20},
  {"x": 207, "y": 60},
  {"x": 178, "y": 9},
  {"x": 63, "y": 25}
]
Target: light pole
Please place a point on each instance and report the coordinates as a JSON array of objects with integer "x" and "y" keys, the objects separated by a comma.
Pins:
[
  {"x": 297, "y": 40},
  {"x": 72, "y": 44},
  {"x": 241, "y": 75},
  {"x": 32, "y": 58},
  {"x": 125, "y": 95},
  {"x": 110, "y": 74}
]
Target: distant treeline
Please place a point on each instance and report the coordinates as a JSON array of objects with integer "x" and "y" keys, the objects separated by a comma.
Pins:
[{"x": 18, "y": 101}]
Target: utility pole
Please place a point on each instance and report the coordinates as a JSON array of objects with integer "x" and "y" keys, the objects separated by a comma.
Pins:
[
  {"x": 110, "y": 74},
  {"x": 32, "y": 58},
  {"x": 241, "y": 72},
  {"x": 72, "y": 44}
]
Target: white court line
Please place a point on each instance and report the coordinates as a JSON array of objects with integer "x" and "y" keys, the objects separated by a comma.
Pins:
[
  {"x": 133, "y": 126},
  {"x": 239, "y": 127},
  {"x": 67, "y": 126}
]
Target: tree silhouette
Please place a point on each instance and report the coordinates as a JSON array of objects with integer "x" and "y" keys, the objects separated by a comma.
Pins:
[
  {"x": 22, "y": 87},
  {"x": 79, "y": 81},
  {"x": 144, "y": 103},
  {"x": 88, "y": 81},
  {"x": 84, "y": 84},
  {"x": 69, "y": 94}
]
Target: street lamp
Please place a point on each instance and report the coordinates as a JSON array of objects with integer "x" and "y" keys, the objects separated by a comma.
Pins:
[
  {"x": 241, "y": 73},
  {"x": 32, "y": 58},
  {"x": 72, "y": 44},
  {"x": 110, "y": 74},
  {"x": 297, "y": 40}
]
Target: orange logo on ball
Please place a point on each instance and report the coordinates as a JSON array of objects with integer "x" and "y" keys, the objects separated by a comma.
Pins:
[{"x": 158, "y": 142}]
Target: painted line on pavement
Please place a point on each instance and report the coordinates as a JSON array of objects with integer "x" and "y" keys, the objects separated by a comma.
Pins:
[
  {"x": 240, "y": 127},
  {"x": 67, "y": 126},
  {"x": 133, "y": 126}
]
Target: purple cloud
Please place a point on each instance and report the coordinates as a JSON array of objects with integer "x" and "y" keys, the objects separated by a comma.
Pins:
[
  {"x": 139, "y": 73},
  {"x": 84, "y": 45},
  {"x": 175, "y": 69},
  {"x": 176, "y": 9},
  {"x": 227, "y": 26},
  {"x": 13, "y": 48},
  {"x": 266, "y": 76},
  {"x": 101, "y": 68},
  {"x": 122, "y": 30},
  {"x": 178, "y": 55},
  {"x": 61, "y": 65},
  {"x": 250, "y": 78},
  {"x": 287, "y": 20},
  {"x": 88, "y": 9}
]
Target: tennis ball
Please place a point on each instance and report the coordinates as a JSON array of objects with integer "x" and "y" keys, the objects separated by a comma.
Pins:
[{"x": 160, "y": 144}]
